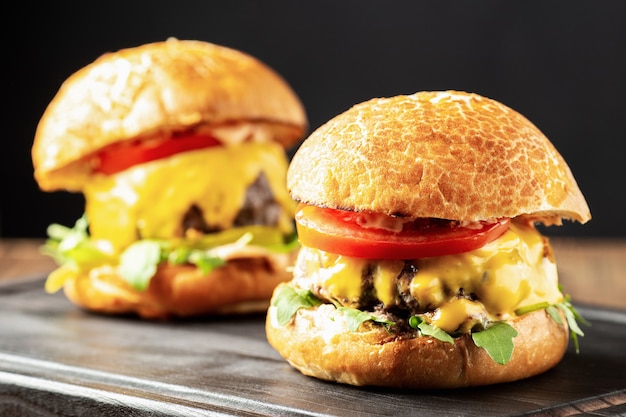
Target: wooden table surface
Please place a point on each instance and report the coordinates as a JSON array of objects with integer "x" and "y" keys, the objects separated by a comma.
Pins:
[
  {"x": 592, "y": 271},
  {"x": 56, "y": 359}
]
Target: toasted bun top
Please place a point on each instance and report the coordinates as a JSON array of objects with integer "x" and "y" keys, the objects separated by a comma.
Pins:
[
  {"x": 450, "y": 155},
  {"x": 153, "y": 90}
]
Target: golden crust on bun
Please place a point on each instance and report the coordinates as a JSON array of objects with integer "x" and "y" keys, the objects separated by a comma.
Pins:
[
  {"x": 318, "y": 343},
  {"x": 241, "y": 286},
  {"x": 153, "y": 90},
  {"x": 448, "y": 154}
]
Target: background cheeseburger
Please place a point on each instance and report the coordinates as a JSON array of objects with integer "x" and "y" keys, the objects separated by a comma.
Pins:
[
  {"x": 179, "y": 150},
  {"x": 420, "y": 264}
]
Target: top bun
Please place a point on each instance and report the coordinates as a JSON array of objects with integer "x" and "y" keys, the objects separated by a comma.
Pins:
[
  {"x": 153, "y": 90},
  {"x": 450, "y": 155}
]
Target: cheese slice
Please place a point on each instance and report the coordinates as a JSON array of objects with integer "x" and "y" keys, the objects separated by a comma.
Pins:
[
  {"x": 150, "y": 200},
  {"x": 516, "y": 270}
]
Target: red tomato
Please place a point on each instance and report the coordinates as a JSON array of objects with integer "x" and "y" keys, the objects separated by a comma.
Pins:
[
  {"x": 338, "y": 232},
  {"x": 120, "y": 157}
]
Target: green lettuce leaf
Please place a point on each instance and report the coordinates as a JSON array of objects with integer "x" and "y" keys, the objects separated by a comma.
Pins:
[
  {"x": 426, "y": 329},
  {"x": 73, "y": 246},
  {"x": 354, "y": 318},
  {"x": 288, "y": 300},
  {"x": 205, "y": 261},
  {"x": 497, "y": 340},
  {"x": 139, "y": 262},
  {"x": 573, "y": 317},
  {"x": 553, "y": 312}
]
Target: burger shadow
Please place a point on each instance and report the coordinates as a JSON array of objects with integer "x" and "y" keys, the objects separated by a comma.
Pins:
[
  {"x": 201, "y": 319},
  {"x": 472, "y": 397},
  {"x": 577, "y": 376}
]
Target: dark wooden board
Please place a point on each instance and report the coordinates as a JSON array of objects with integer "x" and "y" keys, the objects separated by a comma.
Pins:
[{"x": 56, "y": 359}]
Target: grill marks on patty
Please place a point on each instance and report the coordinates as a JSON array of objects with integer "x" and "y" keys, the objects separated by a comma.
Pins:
[{"x": 259, "y": 208}]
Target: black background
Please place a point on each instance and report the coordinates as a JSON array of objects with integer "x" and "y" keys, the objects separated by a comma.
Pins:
[{"x": 561, "y": 64}]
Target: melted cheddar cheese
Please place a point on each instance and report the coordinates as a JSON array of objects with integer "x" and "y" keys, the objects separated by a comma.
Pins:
[
  {"x": 513, "y": 271},
  {"x": 150, "y": 200}
]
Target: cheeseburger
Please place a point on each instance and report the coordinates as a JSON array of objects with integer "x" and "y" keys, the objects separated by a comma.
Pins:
[
  {"x": 179, "y": 148},
  {"x": 420, "y": 264}
]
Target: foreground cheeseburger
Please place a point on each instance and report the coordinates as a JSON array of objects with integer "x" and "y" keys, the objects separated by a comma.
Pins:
[
  {"x": 420, "y": 264},
  {"x": 179, "y": 150}
]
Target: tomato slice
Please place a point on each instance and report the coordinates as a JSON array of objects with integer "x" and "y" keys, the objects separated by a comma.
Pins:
[
  {"x": 340, "y": 232},
  {"x": 117, "y": 158}
]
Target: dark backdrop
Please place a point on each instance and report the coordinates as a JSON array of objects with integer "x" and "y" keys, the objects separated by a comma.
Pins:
[{"x": 562, "y": 64}]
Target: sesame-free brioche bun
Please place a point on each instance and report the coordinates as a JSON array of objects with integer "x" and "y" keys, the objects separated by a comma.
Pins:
[
  {"x": 241, "y": 286},
  {"x": 318, "y": 343},
  {"x": 451, "y": 155},
  {"x": 153, "y": 90}
]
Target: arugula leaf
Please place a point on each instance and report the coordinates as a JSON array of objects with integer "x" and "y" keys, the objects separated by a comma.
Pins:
[
  {"x": 73, "y": 246},
  {"x": 288, "y": 300},
  {"x": 354, "y": 318},
  {"x": 179, "y": 256},
  {"x": 426, "y": 329},
  {"x": 200, "y": 252},
  {"x": 497, "y": 340},
  {"x": 138, "y": 263},
  {"x": 205, "y": 261},
  {"x": 553, "y": 312},
  {"x": 573, "y": 317}
]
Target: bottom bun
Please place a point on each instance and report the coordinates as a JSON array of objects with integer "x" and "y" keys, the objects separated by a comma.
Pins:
[
  {"x": 317, "y": 343},
  {"x": 242, "y": 285}
]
